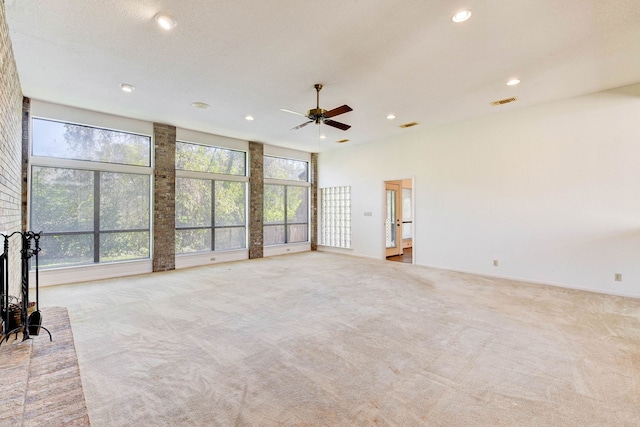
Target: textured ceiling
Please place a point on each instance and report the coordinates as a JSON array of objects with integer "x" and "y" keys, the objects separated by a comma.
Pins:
[{"x": 378, "y": 56}]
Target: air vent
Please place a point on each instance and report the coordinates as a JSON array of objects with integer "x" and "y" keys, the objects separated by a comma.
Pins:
[
  {"x": 342, "y": 141},
  {"x": 504, "y": 101},
  {"x": 408, "y": 125}
]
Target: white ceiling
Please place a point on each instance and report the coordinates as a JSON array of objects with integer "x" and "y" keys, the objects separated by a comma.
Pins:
[{"x": 378, "y": 56}]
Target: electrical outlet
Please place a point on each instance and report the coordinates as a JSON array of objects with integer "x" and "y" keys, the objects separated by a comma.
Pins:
[
  {"x": 495, "y": 263},
  {"x": 617, "y": 277}
]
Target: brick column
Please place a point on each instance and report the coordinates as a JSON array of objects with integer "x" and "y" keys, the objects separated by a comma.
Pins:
[
  {"x": 164, "y": 200},
  {"x": 313, "y": 175},
  {"x": 26, "y": 112},
  {"x": 256, "y": 199},
  {"x": 11, "y": 167}
]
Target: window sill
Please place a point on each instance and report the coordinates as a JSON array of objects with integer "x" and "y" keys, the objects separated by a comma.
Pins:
[
  {"x": 84, "y": 273},
  {"x": 207, "y": 258}
]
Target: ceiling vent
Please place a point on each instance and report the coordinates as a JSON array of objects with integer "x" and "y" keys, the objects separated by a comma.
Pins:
[
  {"x": 504, "y": 101},
  {"x": 342, "y": 141},
  {"x": 408, "y": 125}
]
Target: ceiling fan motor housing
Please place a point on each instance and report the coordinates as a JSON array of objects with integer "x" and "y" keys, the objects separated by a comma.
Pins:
[{"x": 316, "y": 114}]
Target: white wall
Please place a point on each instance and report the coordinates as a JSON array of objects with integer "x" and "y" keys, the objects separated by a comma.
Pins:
[{"x": 552, "y": 192}]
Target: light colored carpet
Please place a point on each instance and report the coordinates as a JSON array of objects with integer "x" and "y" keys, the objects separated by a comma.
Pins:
[{"x": 318, "y": 339}]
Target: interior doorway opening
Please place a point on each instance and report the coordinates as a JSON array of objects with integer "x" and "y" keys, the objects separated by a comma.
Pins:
[{"x": 399, "y": 224}]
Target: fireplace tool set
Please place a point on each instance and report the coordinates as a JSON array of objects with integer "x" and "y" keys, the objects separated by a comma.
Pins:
[{"x": 20, "y": 315}]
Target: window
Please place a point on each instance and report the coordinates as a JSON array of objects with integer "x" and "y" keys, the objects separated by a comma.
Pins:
[
  {"x": 90, "y": 194},
  {"x": 75, "y": 142},
  {"x": 286, "y": 169},
  {"x": 213, "y": 160},
  {"x": 210, "y": 208},
  {"x": 335, "y": 222},
  {"x": 285, "y": 214},
  {"x": 407, "y": 221},
  {"x": 286, "y": 201}
]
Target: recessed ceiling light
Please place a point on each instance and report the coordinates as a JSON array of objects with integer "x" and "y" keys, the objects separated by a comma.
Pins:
[
  {"x": 323, "y": 137},
  {"x": 513, "y": 82},
  {"x": 166, "y": 22},
  {"x": 342, "y": 141},
  {"x": 127, "y": 87},
  {"x": 200, "y": 105},
  {"x": 391, "y": 116},
  {"x": 250, "y": 118},
  {"x": 461, "y": 16}
]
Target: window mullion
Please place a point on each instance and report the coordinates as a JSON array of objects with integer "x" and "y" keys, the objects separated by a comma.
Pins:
[
  {"x": 286, "y": 229},
  {"x": 96, "y": 216},
  {"x": 213, "y": 212}
]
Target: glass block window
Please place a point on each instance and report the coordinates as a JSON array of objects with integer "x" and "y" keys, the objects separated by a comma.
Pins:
[{"x": 335, "y": 217}]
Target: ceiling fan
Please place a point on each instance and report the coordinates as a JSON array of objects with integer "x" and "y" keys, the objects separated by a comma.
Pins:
[{"x": 318, "y": 115}]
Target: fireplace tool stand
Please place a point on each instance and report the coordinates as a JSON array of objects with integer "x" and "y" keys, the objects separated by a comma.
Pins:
[{"x": 15, "y": 313}]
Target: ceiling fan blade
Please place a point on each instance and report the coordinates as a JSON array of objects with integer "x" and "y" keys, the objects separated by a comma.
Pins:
[
  {"x": 338, "y": 111},
  {"x": 302, "y": 125},
  {"x": 335, "y": 124},
  {"x": 292, "y": 112}
]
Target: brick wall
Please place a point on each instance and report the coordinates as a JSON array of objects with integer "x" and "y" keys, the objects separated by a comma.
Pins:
[
  {"x": 164, "y": 205},
  {"x": 256, "y": 199},
  {"x": 313, "y": 202},
  {"x": 10, "y": 151}
]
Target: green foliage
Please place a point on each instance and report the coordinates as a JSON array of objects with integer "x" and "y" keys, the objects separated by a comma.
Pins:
[
  {"x": 286, "y": 169},
  {"x": 70, "y": 141},
  {"x": 295, "y": 210},
  {"x": 63, "y": 200},
  {"x": 195, "y": 218},
  {"x": 202, "y": 158}
]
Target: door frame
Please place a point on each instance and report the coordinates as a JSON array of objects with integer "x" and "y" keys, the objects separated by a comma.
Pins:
[
  {"x": 397, "y": 221},
  {"x": 413, "y": 215}
]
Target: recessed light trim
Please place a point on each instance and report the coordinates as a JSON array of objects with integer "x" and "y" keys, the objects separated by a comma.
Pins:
[
  {"x": 513, "y": 82},
  {"x": 126, "y": 87},
  {"x": 342, "y": 141},
  {"x": 461, "y": 16},
  {"x": 391, "y": 116},
  {"x": 166, "y": 22},
  {"x": 200, "y": 105}
]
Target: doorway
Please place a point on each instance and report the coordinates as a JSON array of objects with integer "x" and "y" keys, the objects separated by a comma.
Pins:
[{"x": 399, "y": 220}]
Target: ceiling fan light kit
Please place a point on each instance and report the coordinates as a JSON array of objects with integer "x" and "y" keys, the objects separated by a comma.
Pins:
[{"x": 319, "y": 115}]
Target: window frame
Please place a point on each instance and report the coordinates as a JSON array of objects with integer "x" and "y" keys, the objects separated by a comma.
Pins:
[
  {"x": 97, "y": 167},
  {"x": 287, "y": 183},
  {"x": 213, "y": 178}
]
